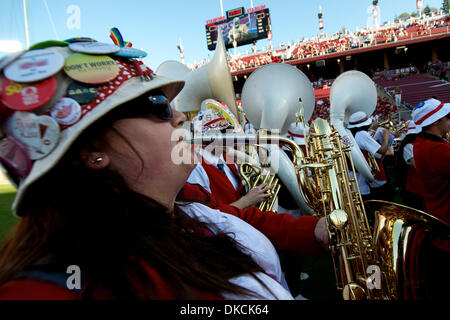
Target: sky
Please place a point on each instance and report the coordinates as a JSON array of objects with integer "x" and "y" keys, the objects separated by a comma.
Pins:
[{"x": 156, "y": 26}]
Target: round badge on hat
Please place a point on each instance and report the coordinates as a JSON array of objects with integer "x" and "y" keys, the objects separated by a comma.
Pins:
[
  {"x": 38, "y": 134},
  {"x": 80, "y": 39},
  {"x": 82, "y": 93},
  {"x": 27, "y": 96},
  {"x": 14, "y": 156},
  {"x": 47, "y": 44},
  {"x": 93, "y": 47},
  {"x": 34, "y": 65},
  {"x": 90, "y": 68},
  {"x": 129, "y": 52},
  {"x": 66, "y": 111}
]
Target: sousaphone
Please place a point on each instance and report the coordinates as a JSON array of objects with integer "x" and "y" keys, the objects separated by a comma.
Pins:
[
  {"x": 270, "y": 99},
  {"x": 210, "y": 81},
  {"x": 352, "y": 91}
]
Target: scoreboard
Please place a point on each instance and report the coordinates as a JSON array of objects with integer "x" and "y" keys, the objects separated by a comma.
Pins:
[{"x": 239, "y": 27}]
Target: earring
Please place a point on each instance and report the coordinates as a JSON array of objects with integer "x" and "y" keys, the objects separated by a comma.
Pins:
[{"x": 97, "y": 160}]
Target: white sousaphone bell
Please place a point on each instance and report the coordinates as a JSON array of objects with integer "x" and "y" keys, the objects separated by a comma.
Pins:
[
  {"x": 270, "y": 96},
  {"x": 352, "y": 91},
  {"x": 210, "y": 81},
  {"x": 270, "y": 99}
]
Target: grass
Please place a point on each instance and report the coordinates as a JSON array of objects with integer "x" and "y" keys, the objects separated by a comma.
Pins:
[{"x": 7, "y": 219}]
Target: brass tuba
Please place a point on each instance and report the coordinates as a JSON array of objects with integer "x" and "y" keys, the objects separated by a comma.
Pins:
[
  {"x": 254, "y": 176},
  {"x": 254, "y": 173}
]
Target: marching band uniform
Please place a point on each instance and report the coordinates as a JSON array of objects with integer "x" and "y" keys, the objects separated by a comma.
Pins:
[
  {"x": 368, "y": 144},
  {"x": 412, "y": 193},
  {"x": 432, "y": 158},
  {"x": 225, "y": 177}
]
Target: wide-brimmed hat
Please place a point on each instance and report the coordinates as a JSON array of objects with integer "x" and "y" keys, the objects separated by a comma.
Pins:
[
  {"x": 50, "y": 95},
  {"x": 297, "y": 133},
  {"x": 359, "y": 119},
  {"x": 430, "y": 111}
]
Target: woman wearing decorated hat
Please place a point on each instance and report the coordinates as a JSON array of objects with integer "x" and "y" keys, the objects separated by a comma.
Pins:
[{"x": 96, "y": 194}]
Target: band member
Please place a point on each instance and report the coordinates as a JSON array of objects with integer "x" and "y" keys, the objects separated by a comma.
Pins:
[
  {"x": 432, "y": 154},
  {"x": 100, "y": 199},
  {"x": 298, "y": 133},
  {"x": 359, "y": 124},
  {"x": 411, "y": 186},
  {"x": 217, "y": 172},
  {"x": 432, "y": 160}
]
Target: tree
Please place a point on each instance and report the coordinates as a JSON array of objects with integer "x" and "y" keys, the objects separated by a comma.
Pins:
[
  {"x": 446, "y": 6},
  {"x": 404, "y": 16},
  {"x": 427, "y": 10}
]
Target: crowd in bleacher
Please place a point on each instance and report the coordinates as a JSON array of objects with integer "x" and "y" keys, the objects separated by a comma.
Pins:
[{"x": 341, "y": 41}]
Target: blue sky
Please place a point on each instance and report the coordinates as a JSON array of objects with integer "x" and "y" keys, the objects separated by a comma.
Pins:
[{"x": 157, "y": 25}]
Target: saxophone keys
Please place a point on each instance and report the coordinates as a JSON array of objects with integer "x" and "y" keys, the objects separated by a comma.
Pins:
[{"x": 338, "y": 218}]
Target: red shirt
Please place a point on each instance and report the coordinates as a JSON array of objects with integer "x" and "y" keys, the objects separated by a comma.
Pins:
[
  {"x": 221, "y": 186},
  {"x": 414, "y": 183},
  {"x": 283, "y": 230},
  {"x": 432, "y": 158}
]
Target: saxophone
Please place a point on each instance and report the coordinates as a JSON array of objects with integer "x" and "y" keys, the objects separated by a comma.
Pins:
[
  {"x": 340, "y": 202},
  {"x": 371, "y": 260}
]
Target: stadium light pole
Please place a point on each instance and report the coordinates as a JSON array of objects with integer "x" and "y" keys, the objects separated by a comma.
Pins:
[{"x": 221, "y": 7}]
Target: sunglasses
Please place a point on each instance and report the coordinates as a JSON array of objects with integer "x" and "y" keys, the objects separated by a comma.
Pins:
[{"x": 143, "y": 106}]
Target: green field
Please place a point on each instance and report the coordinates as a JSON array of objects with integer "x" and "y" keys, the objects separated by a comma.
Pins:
[{"x": 7, "y": 219}]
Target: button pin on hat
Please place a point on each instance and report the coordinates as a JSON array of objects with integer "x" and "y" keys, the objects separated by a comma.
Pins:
[
  {"x": 38, "y": 134},
  {"x": 93, "y": 47},
  {"x": 34, "y": 65},
  {"x": 92, "y": 69},
  {"x": 66, "y": 111},
  {"x": 14, "y": 155},
  {"x": 27, "y": 96},
  {"x": 82, "y": 93}
]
